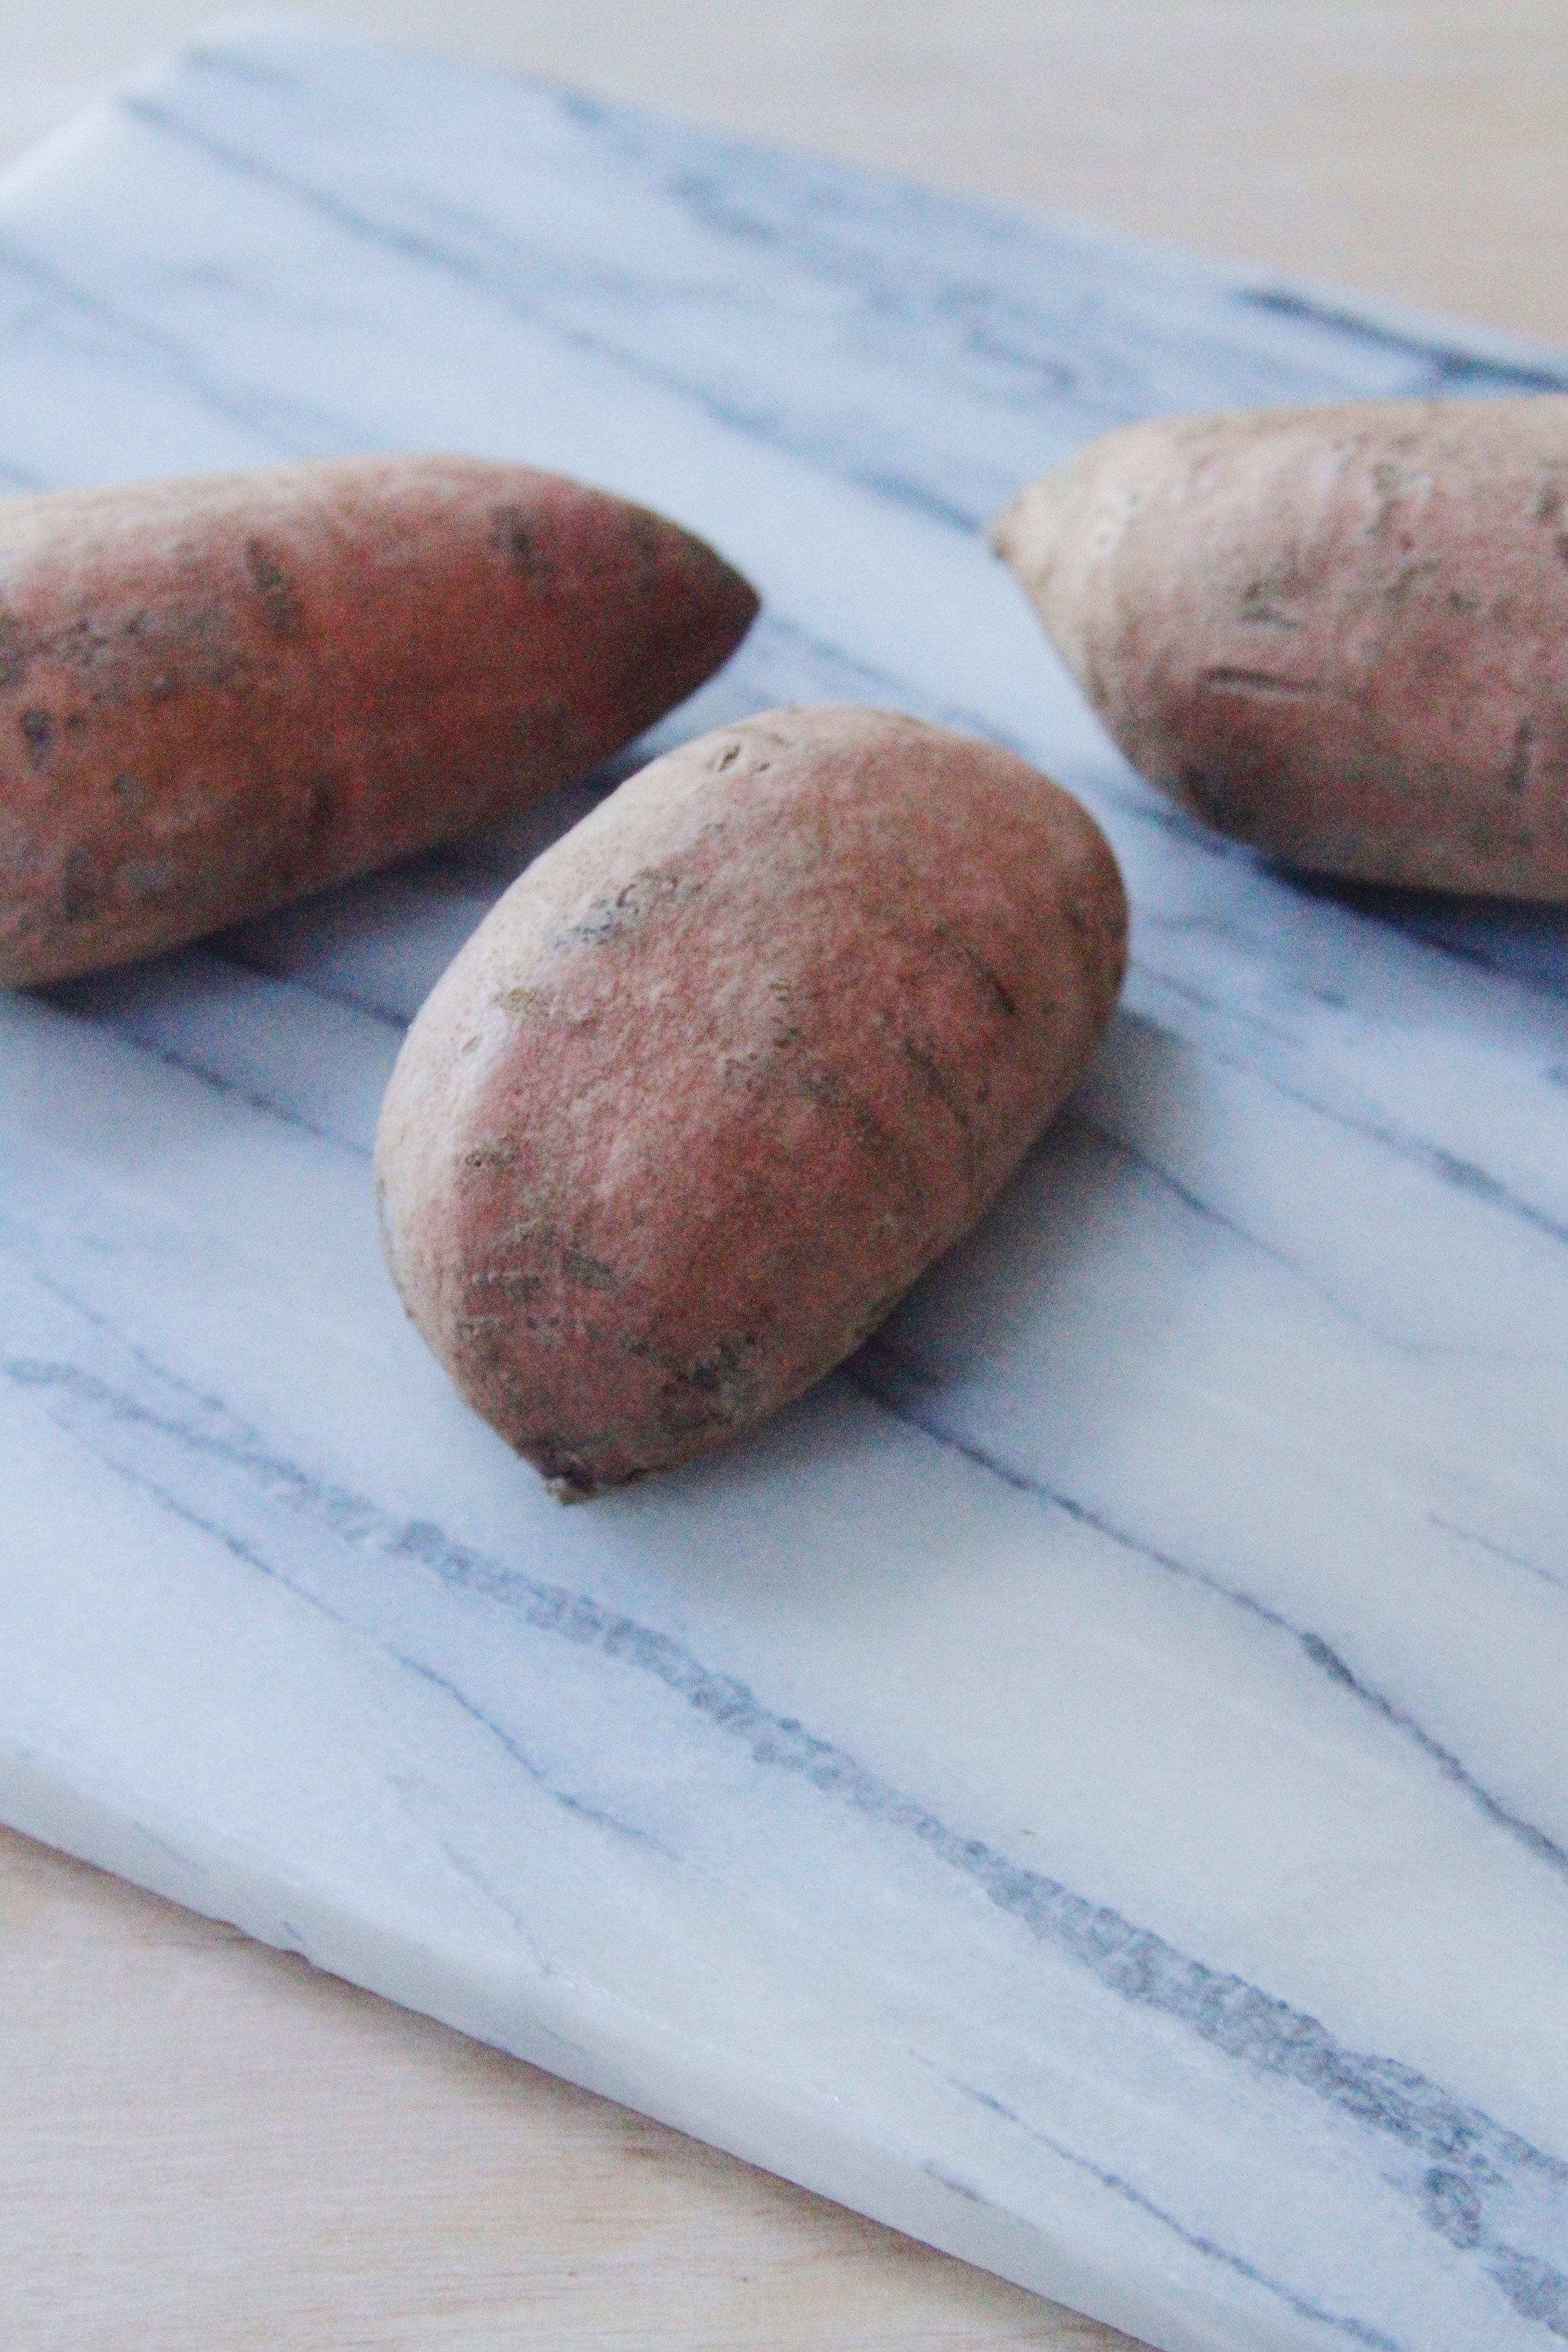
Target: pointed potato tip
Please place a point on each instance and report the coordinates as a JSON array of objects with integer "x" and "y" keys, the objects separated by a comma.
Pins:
[
  {"x": 570, "y": 1490},
  {"x": 1028, "y": 533},
  {"x": 1039, "y": 535},
  {"x": 707, "y": 609},
  {"x": 1001, "y": 528}
]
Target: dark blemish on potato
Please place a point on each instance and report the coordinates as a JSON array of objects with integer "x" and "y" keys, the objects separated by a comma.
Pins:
[
  {"x": 129, "y": 791},
  {"x": 1261, "y": 604},
  {"x": 720, "y": 1375},
  {"x": 602, "y": 921},
  {"x": 155, "y": 655},
  {"x": 607, "y": 918},
  {"x": 1226, "y": 677},
  {"x": 275, "y": 592},
  {"x": 716, "y": 1391},
  {"x": 1089, "y": 937},
  {"x": 13, "y": 650},
  {"x": 484, "y": 1335},
  {"x": 548, "y": 1330},
  {"x": 975, "y": 963},
  {"x": 1516, "y": 775},
  {"x": 727, "y": 758},
  {"x": 514, "y": 538},
  {"x": 522, "y": 1004},
  {"x": 495, "y": 1151},
  {"x": 82, "y": 889},
  {"x": 511, "y": 1281},
  {"x": 591, "y": 1273},
  {"x": 1405, "y": 583},
  {"x": 537, "y": 1230},
  {"x": 821, "y": 1087},
  {"x": 921, "y": 1059},
  {"x": 37, "y": 733},
  {"x": 1392, "y": 485},
  {"x": 96, "y": 648}
]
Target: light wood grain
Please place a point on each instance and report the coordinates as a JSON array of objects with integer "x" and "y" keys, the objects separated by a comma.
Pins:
[
  {"x": 1415, "y": 148},
  {"x": 206, "y": 2147}
]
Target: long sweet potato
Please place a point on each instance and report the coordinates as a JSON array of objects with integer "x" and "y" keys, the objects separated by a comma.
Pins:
[
  {"x": 220, "y": 693},
  {"x": 727, "y": 1067},
  {"x": 1338, "y": 632}
]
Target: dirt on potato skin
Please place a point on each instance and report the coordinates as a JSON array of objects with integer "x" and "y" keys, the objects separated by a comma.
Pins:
[
  {"x": 727, "y": 1068},
  {"x": 222, "y": 692},
  {"x": 1338, "y": 633}
]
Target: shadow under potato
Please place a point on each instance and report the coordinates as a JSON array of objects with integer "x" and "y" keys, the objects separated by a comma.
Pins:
[{"x": 1523, "y": 939}]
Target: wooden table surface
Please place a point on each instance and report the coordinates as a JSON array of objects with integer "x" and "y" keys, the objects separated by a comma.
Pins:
[{"x": 205, "y": 2145}]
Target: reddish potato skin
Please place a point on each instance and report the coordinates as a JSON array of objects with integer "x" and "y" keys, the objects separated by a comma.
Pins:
[
  {"x": 219, "y": 693},
  {"x": 727, "y": 1067},
  {"x": 1339, "y": 633}
]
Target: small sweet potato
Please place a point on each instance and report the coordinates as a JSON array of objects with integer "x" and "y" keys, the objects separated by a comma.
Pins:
[
  {"x": 727, "y": 1067},
  {"x": 1339, "y": 633},
  {"x": 220, "y": 693}
]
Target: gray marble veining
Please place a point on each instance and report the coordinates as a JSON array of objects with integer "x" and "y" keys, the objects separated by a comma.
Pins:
[{"x": 1089, "y": 1785}]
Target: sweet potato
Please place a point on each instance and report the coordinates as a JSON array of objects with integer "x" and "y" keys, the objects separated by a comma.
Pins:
[
  {"x": 1339, "y": 633},
  {"x": 727, "y": 1067},
  {"x": 217, "y": 694}
]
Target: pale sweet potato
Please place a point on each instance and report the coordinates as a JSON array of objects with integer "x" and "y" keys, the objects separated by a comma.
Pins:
[
  {"x": 727, "y": 1067},
  {"x": 1339, "y": 633},
  {"x": 217, "y": 694}
]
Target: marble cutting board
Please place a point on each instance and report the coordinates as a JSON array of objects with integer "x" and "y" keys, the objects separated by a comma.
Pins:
[{"x": 1090, "y": 1786}]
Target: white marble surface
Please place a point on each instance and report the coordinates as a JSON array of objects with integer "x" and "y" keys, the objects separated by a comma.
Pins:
[{"x": 1091, "y": 1785}]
